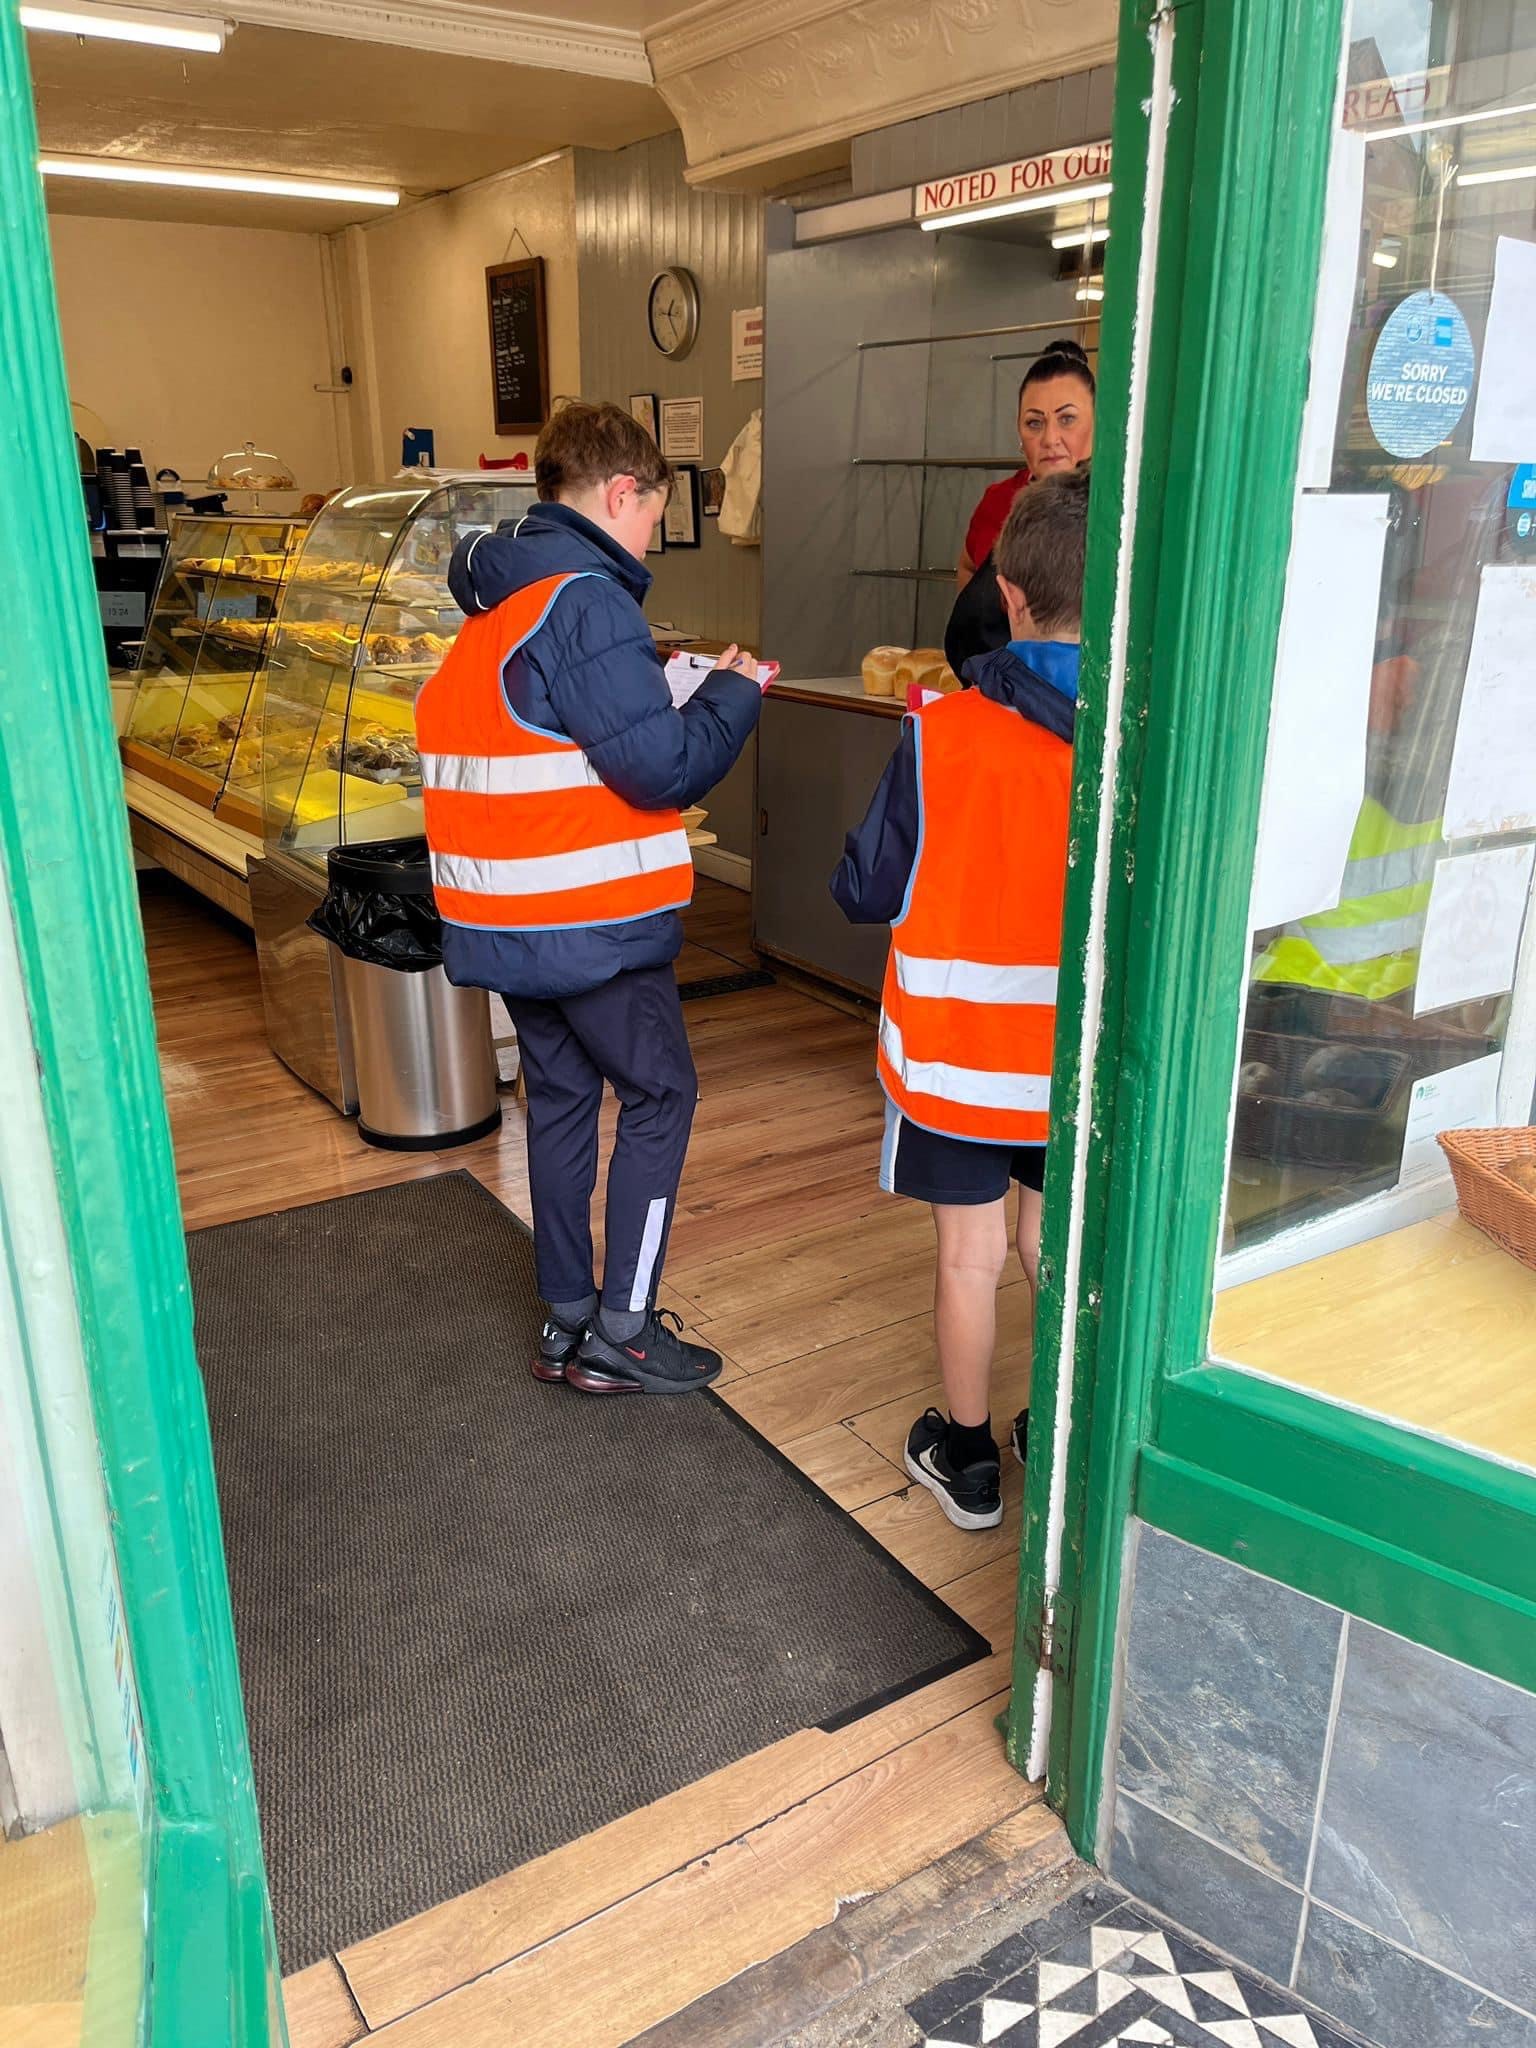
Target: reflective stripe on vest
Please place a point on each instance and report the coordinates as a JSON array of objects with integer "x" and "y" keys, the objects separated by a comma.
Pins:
[
  {"x": 968, "y": 1014},
  {"x": 523, "y": 832},
  {"x": 1368, "y": 944}
]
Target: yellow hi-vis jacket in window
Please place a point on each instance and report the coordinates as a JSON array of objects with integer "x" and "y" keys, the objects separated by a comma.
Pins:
[{"x": 1369, "y": 944}]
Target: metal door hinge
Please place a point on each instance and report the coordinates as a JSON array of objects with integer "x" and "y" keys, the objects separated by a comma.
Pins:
[{"x": 1052, "y": 1638}]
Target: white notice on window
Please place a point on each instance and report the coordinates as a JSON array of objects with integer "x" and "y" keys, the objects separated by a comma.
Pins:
[
  {"x": 1459, "y": 1099},
  {"x": 1314, "y": 774},
  {"x": 1504, "y": 425},
  {"x": 1335, "y": 307},
  {"x": 1493, "y": 769},
  {"x": 1472, "y": 933}
]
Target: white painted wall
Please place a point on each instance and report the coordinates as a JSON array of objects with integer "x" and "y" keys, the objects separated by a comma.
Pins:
[
  {"x": 412, "y": 287},
  {"x": 188, "y": 341}
]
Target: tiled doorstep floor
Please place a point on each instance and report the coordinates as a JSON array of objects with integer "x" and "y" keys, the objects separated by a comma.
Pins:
[{"x": 1100, "y": 1971}]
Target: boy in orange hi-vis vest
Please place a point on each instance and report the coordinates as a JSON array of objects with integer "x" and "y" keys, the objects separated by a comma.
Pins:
[
  {"x": 964, "y": 851},
  {"x": 554, "y": 770}
]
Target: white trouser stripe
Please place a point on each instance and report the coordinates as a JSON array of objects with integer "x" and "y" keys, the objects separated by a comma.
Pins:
[
  {"x": 973, "y": 981},
  {"x": 650, "y": 1245},
  {"x": 969, "y": 1087},
  {"x": 537, "y": 874},
  {"x": 509, "y": 774}
]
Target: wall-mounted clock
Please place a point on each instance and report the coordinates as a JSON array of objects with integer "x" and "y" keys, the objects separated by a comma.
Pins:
[{"x": 672, "y": 311}]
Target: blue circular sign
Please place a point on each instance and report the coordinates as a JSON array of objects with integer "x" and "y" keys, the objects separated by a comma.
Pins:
[{"x": 1421, "y": 375}]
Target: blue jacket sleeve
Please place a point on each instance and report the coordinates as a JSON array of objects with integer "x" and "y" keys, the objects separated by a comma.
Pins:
[
  {"x": 608, "y": 691},
  {"x": 870, "y": 884}
]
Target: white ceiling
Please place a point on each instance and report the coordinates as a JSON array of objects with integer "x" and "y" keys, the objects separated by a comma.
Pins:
[{"x": 281, "y": 99}]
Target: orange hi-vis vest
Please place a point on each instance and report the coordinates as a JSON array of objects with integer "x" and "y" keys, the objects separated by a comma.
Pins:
[
  {"x": 969, "y": 1009},
  {"x": 523, "y": 833}
]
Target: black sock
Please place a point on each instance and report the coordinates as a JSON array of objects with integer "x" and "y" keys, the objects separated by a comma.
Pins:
[{"x": 965, "y": 1446}]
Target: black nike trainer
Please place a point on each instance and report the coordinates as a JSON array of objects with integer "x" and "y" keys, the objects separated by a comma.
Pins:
[{"x": 654, "y": 1361}]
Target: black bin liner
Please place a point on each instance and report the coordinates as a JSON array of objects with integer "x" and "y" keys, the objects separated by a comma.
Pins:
[{"x": 378, "y": 905}]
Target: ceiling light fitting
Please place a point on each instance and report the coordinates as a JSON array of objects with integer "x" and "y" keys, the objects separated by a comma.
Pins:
[
  {"x": 131, "y": 25},
  {"x": 1089, "y": 293},
  {"x": 1452, "y": 121},
  {"x": 1079, "y": 238},
  {"x": 1037, "y": 202},
  {"x": 110, "y": 171}
]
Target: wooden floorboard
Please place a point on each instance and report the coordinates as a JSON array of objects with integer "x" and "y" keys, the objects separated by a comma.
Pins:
[{"x": 817, "y": 1289}]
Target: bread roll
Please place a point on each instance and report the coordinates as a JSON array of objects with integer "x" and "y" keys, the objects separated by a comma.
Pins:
[
  {"x": 880, "y": 667},
  {"x": 1522, "y": 1172}
]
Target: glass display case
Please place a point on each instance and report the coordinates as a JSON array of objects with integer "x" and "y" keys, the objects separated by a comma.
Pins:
[
  {"x": 366, "y": 616},
  {"x": 204, "y": 648}
]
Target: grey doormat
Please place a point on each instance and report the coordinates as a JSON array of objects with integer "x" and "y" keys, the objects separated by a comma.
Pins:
[{"x": 479, "y": 1616}]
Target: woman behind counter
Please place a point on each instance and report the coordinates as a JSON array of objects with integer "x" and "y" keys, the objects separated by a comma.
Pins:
[{"x": 1055, "y": 433}]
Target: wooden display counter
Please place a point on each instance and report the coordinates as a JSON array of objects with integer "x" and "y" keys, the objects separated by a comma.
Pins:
[{"x": 1432, "y": 1325}]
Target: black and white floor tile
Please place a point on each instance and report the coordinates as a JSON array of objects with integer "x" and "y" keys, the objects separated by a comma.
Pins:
[{"x": 1098, "y": 1973}]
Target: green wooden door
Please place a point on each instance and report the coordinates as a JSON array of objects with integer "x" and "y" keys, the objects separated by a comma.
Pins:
[
  {"x": 113, "y": 1516},
  {"x": 1274, "y": 207}
]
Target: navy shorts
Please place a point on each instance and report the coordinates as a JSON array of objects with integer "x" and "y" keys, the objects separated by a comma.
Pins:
[{"x": 930, "y": 1167}]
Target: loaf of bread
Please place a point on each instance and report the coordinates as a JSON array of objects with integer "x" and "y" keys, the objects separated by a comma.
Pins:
[
  {"x": 923, "y": 666},
  {"x": 947, "y": 681},
  {"x": 1522, "y": 1172},
  {"x": 880, "y": 666}
]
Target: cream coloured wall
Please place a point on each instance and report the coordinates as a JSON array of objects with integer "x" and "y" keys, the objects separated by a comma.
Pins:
[
  {"x": 413, "y": 290},
  {"x": 188, "y": 341}
]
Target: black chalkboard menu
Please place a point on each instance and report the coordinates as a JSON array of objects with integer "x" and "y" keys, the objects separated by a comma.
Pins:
[{"x": 519, "y": 345}]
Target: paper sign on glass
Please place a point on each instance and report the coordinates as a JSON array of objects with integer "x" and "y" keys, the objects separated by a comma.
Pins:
[
  {"x": 1472, "y": 933},
  {"x": 1334, "y": 315},
  {"x": 1504, "y": 425},
  {"x": 1459, "y": 1099},
  {"x": 1493, "y": 769},
  {"x": 1314, "y": 774}
]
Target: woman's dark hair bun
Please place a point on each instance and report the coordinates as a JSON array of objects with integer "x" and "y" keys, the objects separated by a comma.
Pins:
[{"x": 1062, "y": 357}]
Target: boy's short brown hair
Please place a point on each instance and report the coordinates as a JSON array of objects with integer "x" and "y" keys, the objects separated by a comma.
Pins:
[
  {"x": 1042, "y": 546},
  {"x": 587, "y": 444}
]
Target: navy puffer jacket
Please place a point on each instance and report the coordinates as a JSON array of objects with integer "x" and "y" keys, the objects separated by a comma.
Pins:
[{"x": 593, "y": 672}]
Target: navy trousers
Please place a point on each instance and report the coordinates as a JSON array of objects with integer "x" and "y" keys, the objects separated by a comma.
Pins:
[{"x": 630, "y": 1034}]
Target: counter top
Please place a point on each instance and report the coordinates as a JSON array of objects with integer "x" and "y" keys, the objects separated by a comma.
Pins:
[{"x": 840, "y": 693}]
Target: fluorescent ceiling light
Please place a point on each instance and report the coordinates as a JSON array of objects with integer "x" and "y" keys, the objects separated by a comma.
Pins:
[
  {"x": 1089, "y": 292},
  {"x": 1037, "y": 202},
  {"x": 1385, "y": 258},
  {"x": 131, "y": 25},
  {"x": 110, "y": 171},
  {"x": 1079, "y": 238},
  {"x": 1451, "y": 121},
  {"x": 1496, "y": 177}
]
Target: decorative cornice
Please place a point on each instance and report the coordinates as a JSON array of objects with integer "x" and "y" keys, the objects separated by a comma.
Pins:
[
  {"x": 758, "y": 83},
  {"x": 457, "y": 28}
]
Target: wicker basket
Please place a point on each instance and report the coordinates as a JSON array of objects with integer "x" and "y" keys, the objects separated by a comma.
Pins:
[{"x": 1486, "y": 1197}]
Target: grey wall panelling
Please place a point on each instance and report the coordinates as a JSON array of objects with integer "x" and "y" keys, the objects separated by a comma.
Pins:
[
  {"x": 1345, "y": 1811},
  {"x": 635, "y": 214},
  {"x": 1055, "y": 113}
]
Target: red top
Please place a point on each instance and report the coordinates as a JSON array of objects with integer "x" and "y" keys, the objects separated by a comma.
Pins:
[{"x": 988, "y": 518}]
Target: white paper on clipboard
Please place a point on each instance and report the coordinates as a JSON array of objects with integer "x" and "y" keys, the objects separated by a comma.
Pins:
[
  {"x": 1314, "y": 773},
  {"x": 1504, "y": 425},
  {"x": 1472, "y": 932},
  {"x": 686, "y": 671},
  {"x": 1458, "y": 1099},
  {"x": 1335, "y": 307},
  {"x": 1493, "y": 768}
]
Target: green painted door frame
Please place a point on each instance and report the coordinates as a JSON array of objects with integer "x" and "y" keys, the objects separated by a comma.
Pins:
[
  {"x": 68, "y": 876},
  {"x": 1210, "y": 290}
]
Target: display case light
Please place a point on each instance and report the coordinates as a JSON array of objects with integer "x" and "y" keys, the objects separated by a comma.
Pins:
[
  {"x": 109, "y": 170},
  {"x": 131, "y": 25},
  {"x": 1035, "y": 202}
]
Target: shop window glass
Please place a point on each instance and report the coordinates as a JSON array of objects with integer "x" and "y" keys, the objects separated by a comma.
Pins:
[{"x": 1392, "y": 976}]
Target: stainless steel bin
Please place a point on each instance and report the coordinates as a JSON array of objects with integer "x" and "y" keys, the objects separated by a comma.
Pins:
[
  {"x": 426, "y": 1067},
  {"x": 422, "y": 1053}
]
